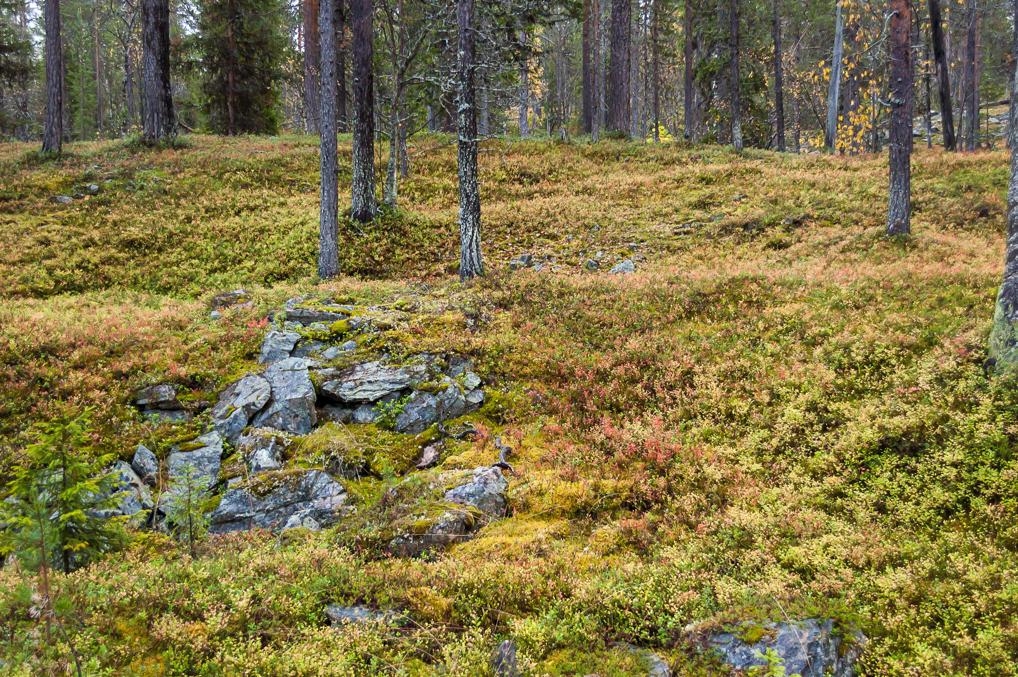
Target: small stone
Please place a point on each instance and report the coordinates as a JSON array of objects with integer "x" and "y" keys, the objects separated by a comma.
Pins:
[
  {"x": 263, "y": 449},
  {"x": 348, "y": 346},
  {"x": 215, "y": 315},
  {"x": 343, "y": 615},
  {"x": 521, "y": 261},
  {"x": 307, "y": 316},
  {"x": 591, "y": 265},
  {"x": 503, "y": 660},
  {"x": 429, "y": 457},
  {"x": 230, "y": 299},
  {"x": 623, "y": 268},
  {"x": 161, "y": 396},
  {"x": 63, "y": 199},
  {"x": 302, "y": 520},
  {"x": 486, "y": 491}
]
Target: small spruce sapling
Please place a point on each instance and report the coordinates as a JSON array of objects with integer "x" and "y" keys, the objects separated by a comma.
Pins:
[{"x": 186, "y": 518}]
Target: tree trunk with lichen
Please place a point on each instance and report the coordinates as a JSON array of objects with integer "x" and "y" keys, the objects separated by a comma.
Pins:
[
  {"x": 470, "y": 195},
  {"x": 1004, "y": 336},
  {"x": 899, "y": 207},
  {"x": 160, "y": 120},
  {"x": 328, "y": 237},
  {"x": 52, "y": 140},
  {"x": 363, "y": 204}
]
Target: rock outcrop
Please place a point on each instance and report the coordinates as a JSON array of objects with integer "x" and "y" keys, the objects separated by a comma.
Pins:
[
  {"x": 810, "y": 648},
  {"x": 271, "y": 503}
]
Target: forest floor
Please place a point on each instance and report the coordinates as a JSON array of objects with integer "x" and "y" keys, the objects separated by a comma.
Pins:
[{"x": 781, "y": 414}]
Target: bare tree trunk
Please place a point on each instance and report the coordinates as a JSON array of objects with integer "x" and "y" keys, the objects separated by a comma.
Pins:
[
  {"x": 312, "y": 66},
  {"x": 52, "y": 140},
  {"x": 971, "y": 83},
  {"x": 470, "y": 194},
  {"x": 364, "y": 206},
  {"x": 899, "y": 207},
  {"x": 634, "y": 85},
  {"x": 733, "y": 19},
  {"x": 1004, "y": 335},
  {"x": 98, "y": 75},
  {"x": 589, "y": 19},
  {"x": 524, "y": 103},
  {"x": 328, "y": 224},
  {"x": 599, "y": 70},
  {"x": 687, "y": 79},
  {"x": 343, "y": 121},
  {"x": 927, "y": 94},
  {"x": 619, "y": 111},
  {"x": 160, "y": 119},
  {"x": 391, "y": 189},
  {"x": 656, "y": 67},
  {"x": 944, "y": 76},
  {"x": 779, "y": 80},
  {"x": 834, "y": 91}
]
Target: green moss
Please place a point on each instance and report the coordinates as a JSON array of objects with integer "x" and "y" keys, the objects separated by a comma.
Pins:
[{"x": 753, "y": 633}]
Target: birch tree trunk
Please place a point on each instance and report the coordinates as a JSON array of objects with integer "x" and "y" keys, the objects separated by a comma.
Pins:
[
  {"x": 160, "y": 120},
  {"x": 899, "y": 208},
  {"x": 466, "y": 116},
  {"x": 943, "y": 75},
  {"x": 363, "y": 204},
  {"x": 834, "y": 90},
  {"x": 53, "y": 138},
  {"x": 328, "y": 230}
]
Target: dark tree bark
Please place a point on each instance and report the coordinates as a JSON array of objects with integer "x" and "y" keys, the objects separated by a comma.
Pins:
[
  {"x": 899, "y": 207},
  {"x": 312, "y": 66},
  {"x": 597, "y": 70},
  {"x": 470, "y": 194},
  {"x": 341, "y": 52},
  {"x": 834, "y": 91},
  {"x": 943, "y": 75},
  {"x": 328, "y": 225},
  {"x": 687, "y": 80},
  {"x": 589, "y": 18},
  {"x": 779, "y": 80},
  {"x": 53, "y": 138},
  {"x": 524, "y": 103},
  {"x": 733, "y": 45},
  {"x": 1004, "y": 335},
  {"x": 160, "y": 119},
  {"x": 619, "y": 110},
  {"x": 656, "y": 69},
  {"x": 364, "y": 205}
]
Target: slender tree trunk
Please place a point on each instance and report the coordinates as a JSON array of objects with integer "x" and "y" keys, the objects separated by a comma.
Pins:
[
  {"x": 98, "y": 75},
  {"x": 971, "y": 83},
  {"x": 687, "y": 78},
  {"x": 902, "y": 102},
  {"x": 619, "y": 110},
  {"x": 328, "y": 224},
  {"x": 656, "y": 68},
  {"x": 160, "y": 119},
  {"x": 589, "y": 18},
  {"x": 231, "y": 67},
  {"x": 602, "y": 69},
  {"x": 634, "y": 83},
  {"x": 943, "y": 75},
  {"x": 312, "y": 66},
  {"x": 52, "y": 141},
  {"x": 470, "y": 194},
  {"x": 779, "y": 80},
  {"x": 597, "y": 70},
  {"x": 341, "y": 52},
  {"x": 390, "y": 196},
  {"x": 834, "y": 91},
  {"x": 1004, "y": 335},
  {"x": 927, "y": 95},
  {"x": 733, "y": 20},
  {"x": 524, "y": 102},
  {"x": 364, "y": 204}
]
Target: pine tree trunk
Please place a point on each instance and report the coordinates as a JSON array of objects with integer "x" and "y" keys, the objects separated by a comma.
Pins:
[
  {"x": 1004, "y": 335},
  {"x": 342, "y": 117},
  {"x": 312, "y": 66},
  {"x": 364, "y": 206},
  {"x": 160, "y": 121},
  {"x": 834, "y": 90},
  {"x": 656, "y": 68},
  {"x": 927, "y": 95},
  {"x": 524, "y": 103},
  {"x": 687, "y": 79},
  {"x": 970, "y": 81},
  {"x": 589, "y": 18},
  {"x": 52, "y": 141},
  {"x": 733, "y": 19},
  {"x": 634, "y": 86},
  {"x": 944, "y": 76},
  {"x": 902, "y": 102},
  {"x": 619, "y": 111},
  {"x": 779, "y": 80},
  {"x": 328, "y": 231},
  {"x": 470, "y": 195}
]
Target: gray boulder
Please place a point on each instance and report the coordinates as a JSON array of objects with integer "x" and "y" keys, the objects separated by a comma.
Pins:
[
  {"x": 292, "y": 405},
  {"x": 809, "y": 648},
  {"x": 202, "y": 456},
  {"x": 449, "y": 527},
  {"x": 262, "y": 449},
  {"x": 485, "y": 491},
  {"x": 134, "y": 496},
  {"x": 238, "y": 403},
  {"x": 371, "y": 381},
  {"x": 145, "y": 464},
  {"x": 277, "y": 345},
  {"x": 307, "y": 316},
  {"x": 313, "y": 494},
  {"x": 161, "y": 396},
  {"x": 623, "y": 267},
  {"x": 302, "y": 520},
  {"x": 424, "y": 409}
]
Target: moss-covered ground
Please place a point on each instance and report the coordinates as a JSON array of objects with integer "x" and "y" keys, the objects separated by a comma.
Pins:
[{"x": 781, "y": 414}]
